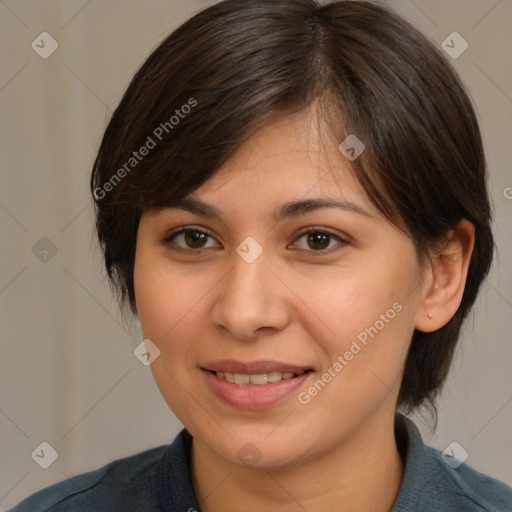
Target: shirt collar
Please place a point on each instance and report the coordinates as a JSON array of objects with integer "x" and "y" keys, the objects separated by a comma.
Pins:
[{"x": 417, "y": 463}]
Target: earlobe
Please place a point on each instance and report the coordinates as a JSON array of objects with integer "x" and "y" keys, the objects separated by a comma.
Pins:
[{"x": 444, "y": 289}]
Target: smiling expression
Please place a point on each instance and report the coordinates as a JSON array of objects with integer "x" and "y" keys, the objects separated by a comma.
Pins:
[{"x": 259, "y": 276}]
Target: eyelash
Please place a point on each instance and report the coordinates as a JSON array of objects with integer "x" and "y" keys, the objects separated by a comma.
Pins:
[{"x": 168, "y": 239}]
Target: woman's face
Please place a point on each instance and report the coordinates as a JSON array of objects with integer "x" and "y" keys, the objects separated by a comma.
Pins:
[{"x": 258, "y": 296}]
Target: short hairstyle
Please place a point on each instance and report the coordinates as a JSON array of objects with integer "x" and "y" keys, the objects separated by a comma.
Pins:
[{"x": 223, "y": 73}]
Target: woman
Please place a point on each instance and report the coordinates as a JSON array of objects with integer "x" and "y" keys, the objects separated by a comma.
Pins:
[{"x": 292, "y": 200}]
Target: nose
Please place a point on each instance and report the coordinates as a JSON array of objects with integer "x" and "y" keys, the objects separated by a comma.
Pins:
[{"x": 251, "y": 300}]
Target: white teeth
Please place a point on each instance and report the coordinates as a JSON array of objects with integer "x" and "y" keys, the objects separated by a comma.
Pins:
[
  {"x": 258, "y": 380},
  {"x": 241, "y": 379}
]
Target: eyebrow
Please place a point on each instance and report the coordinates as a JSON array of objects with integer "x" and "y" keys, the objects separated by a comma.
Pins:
[{"x": 285, "y": 211}]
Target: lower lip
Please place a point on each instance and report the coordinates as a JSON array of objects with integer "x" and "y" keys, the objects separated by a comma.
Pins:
[{"x": 254, "y": 396}]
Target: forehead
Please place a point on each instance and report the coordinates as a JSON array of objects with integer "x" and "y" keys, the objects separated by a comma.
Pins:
[{"x": 293, "y": 156}]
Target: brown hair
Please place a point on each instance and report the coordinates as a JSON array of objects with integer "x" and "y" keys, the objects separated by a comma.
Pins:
[{"x": 208, "y": 86}]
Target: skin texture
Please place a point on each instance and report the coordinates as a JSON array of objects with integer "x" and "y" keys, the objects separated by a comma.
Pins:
[{"x": 297, "y": 305}]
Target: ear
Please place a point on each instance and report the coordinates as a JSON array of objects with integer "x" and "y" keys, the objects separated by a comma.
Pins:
[{"x": 445, "y": 278}]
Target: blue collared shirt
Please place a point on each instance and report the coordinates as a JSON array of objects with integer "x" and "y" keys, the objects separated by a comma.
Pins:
[{"x": 159, "y": 480}]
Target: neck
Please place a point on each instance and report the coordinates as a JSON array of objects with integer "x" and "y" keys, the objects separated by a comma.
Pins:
[{"x": 363, "y": 474}]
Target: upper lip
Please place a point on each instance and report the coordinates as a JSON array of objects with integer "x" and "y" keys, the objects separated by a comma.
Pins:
[{"x": 253, "y": 367}]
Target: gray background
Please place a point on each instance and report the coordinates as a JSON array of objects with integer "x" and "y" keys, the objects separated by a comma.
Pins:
[{"x": 68, "y": 373}]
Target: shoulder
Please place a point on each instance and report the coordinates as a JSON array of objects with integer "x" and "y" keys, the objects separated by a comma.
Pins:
[
  {"x": 138, "y": 482},
  {"x": 466, "y": 488},
  {"x": 111, "y": 479},
  {"x": 434, "y": 480}
]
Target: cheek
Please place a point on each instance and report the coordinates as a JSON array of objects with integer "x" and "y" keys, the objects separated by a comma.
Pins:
[
  {"x": 356, "y": 300},
  {"x": 370, "y": 315},
  {"x": 173, "y": 304},
  {"x": 165, "y": 307},
  {"x": 163, "y": 297}
]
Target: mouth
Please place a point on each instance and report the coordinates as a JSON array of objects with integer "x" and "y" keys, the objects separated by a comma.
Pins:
[
  {"x": 260, "y": 379},
  {"x": 254, "y": 385}
]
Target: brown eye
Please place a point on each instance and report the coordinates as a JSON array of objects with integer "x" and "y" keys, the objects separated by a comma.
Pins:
[
  {"x": 317, "y": 240},
  {"x": 195, "y": 239},
  {"x": 188, "y": 239}
]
